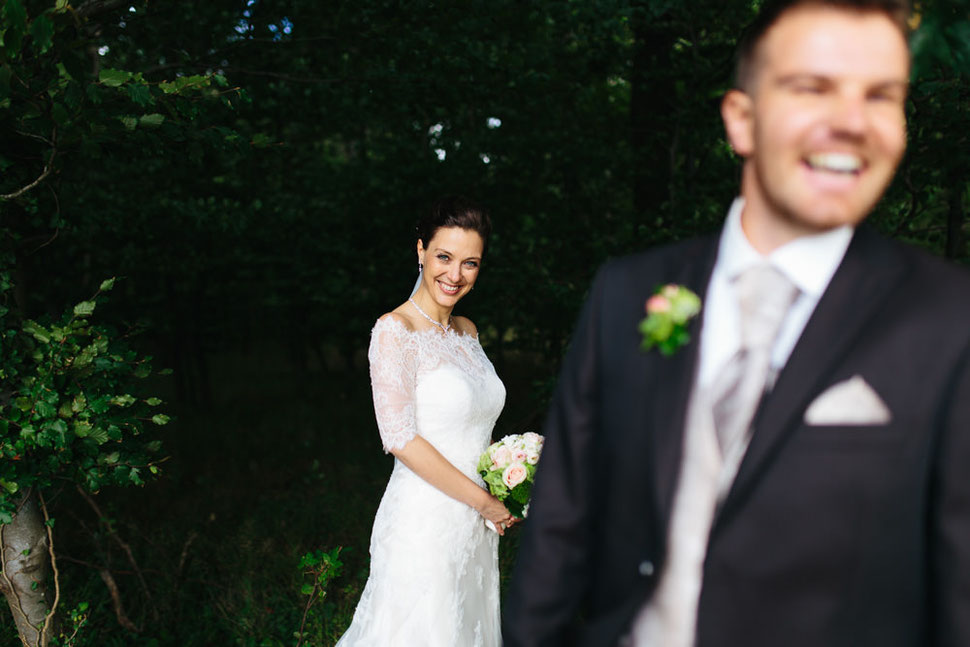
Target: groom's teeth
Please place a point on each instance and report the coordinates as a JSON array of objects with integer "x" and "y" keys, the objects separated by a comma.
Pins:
[{"x": 835, "y": 162}]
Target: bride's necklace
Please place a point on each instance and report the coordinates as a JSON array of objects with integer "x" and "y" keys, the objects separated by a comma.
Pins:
[{"x": 444, "y": 327}]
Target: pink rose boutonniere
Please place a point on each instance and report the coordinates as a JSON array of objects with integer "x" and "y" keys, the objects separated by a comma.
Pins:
[{"x": 668, "y": 312}]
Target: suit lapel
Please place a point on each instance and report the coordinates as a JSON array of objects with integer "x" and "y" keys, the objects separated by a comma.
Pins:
[
  {"x": 667, "y": 406},
  {"x": 866, "y": 277}
]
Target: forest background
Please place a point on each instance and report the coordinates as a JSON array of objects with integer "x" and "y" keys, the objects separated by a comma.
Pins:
[{"x": 251, "y": 171}]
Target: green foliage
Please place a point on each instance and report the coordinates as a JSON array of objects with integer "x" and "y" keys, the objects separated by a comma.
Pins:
[
  {"x": 319, "y": 569},
  {"x": 65, "y": 407}
]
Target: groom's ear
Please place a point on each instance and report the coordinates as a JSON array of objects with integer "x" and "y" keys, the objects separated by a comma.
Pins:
[{"x": 736, "y": 111}]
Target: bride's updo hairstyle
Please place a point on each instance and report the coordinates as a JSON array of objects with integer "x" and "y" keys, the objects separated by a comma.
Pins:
[{"x": 455, "y": 211}]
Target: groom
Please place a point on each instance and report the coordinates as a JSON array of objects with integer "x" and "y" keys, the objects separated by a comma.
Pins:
[{"x": 796, "y": 475}]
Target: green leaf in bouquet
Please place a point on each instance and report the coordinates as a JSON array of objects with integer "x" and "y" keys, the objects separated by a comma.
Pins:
[
  {"x": 496, "y": 485},
  {"x": 515, "y": 508},
  {"x": 521, "y": 492}
]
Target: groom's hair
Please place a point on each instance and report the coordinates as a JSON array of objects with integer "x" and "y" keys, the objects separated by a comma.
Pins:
[{"x": 898, "y": 11}]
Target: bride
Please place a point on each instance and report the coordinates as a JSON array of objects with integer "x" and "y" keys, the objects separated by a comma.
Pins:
[{"x": 434, "y": 565}]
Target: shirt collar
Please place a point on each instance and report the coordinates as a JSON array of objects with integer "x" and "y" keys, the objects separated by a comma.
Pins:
[{"x": 808, "y": 261}]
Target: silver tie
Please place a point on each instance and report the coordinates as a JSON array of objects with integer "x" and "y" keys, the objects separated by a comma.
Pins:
[{"x": 764, "y": 296}]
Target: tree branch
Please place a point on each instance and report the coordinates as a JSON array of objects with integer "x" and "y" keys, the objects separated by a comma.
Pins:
[
  {"x": 123, "y": 620},
  {"x": 43, "y": 176},
  {"x": 57, "y": 578},
  {"x": 125, "y": 547}
]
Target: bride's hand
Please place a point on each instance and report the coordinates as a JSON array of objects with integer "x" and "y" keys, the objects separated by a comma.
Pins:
[{"x": 495, "y": 511}]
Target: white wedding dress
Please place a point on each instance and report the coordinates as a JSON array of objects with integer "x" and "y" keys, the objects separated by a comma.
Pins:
[{"x": 434, "y": 566}]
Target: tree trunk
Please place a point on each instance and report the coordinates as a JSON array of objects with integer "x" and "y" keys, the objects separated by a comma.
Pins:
[{"x": 25, "y": 565}]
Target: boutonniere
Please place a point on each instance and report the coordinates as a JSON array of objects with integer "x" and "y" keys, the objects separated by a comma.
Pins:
[{"x": 668, "y": 311}]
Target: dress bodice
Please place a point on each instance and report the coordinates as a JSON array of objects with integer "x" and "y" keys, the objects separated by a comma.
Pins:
[{"x": 441, "y": 386}]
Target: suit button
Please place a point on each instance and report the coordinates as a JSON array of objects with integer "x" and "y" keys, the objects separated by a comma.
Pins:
[{"x": 646, "y": 568}]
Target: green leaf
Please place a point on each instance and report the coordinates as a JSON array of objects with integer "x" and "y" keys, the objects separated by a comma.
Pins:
[
  {"x": 50, "y": 522},
  {"x": 39, "y": 332},
  {"x": 122, "y": 400},
  {"x": 60, "y": 114},
  {"x": 113, "y": 78},
  {"x": 261, "y": 140},
  {"x": 15, "y": 21},
  {"x": 153, "y": 402},
  {"x": 44, "y": 409},
  {"x": 107, "y": 284},
  {"x": 65, "y": 410},
  {"x": 99, "y": 435},
  {"x": 42, "y": 31},
  {"x": 140, "y": 94},
  {"x": 130, "y": 123},
  {"x": 84, "y": 308},
  {"x": 153, "y": 120},
  {"x": 160, "y": 419},
  {"x": 9, "y": 486}
]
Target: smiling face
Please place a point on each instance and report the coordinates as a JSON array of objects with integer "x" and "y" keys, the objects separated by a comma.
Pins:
[
  {"x": 821, "y": 124},
  {"x": 451, "y": 264}
]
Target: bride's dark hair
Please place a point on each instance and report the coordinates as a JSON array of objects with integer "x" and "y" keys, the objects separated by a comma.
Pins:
[{"x": 455, "y": 211}]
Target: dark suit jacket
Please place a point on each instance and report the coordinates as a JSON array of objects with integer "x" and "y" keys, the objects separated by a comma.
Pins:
[{"x": 829, "y": 537}]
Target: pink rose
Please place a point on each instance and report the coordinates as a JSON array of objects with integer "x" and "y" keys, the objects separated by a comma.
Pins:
[
  {"x": 502, "y": 456},
  {"x": 519, "y": 455},
  {"x": 532, "y": 459},
  {"x": 514, "y": 474},
  {"x": 658, "y": 303}
]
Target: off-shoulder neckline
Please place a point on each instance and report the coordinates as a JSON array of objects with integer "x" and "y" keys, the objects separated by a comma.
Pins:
[{"x": 431, "y": 329}]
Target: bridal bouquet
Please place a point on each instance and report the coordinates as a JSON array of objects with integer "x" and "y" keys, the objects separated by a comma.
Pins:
[{"x": 508, "y": 467}]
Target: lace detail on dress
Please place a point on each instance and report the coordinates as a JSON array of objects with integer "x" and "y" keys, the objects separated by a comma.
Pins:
[{"x": 397, "y": 355}]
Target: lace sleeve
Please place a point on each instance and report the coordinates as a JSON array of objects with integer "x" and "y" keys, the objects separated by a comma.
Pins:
[{"x": 393, "y": 367}]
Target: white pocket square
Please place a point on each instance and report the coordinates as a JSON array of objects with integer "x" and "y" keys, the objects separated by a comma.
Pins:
[{"x": 852, "y": 402}]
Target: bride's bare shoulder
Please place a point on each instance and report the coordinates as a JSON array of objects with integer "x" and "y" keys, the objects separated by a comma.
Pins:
[
  {"x": 399, "y": 315},
  {"x": 464, "y": 325}
]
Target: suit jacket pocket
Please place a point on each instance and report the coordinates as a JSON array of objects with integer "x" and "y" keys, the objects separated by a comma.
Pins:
[{"x": 848, "y": 437}]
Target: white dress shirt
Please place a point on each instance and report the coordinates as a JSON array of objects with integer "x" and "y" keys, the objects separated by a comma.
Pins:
[{"x": 669, "y": 618}]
